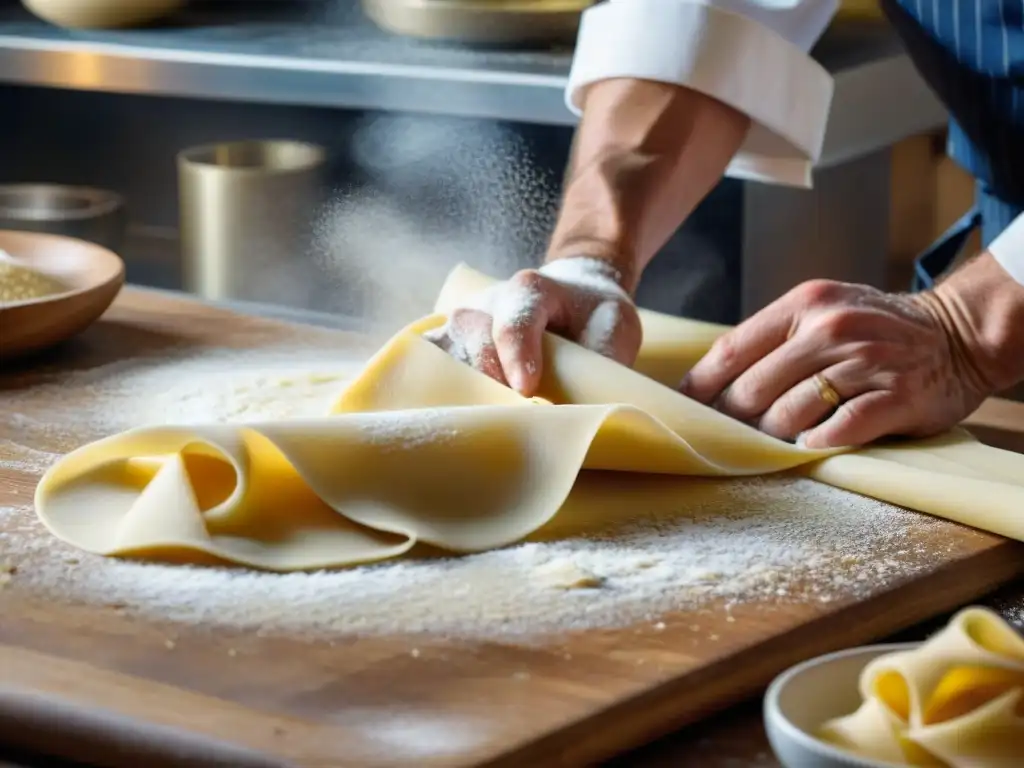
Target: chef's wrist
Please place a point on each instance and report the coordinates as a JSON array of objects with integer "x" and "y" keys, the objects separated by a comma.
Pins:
[{"x": 983, "y": 309}]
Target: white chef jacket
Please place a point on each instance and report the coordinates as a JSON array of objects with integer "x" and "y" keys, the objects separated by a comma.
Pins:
[{"x": 750, "y": 54}]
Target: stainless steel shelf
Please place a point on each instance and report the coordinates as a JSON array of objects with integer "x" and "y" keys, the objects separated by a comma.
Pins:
[{"x": 327, "y": 54}]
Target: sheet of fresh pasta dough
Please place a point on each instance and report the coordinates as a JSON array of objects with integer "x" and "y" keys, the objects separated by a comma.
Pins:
[
  {"x": 956, "y": 701},
  {"x": 422, "y": 448}
]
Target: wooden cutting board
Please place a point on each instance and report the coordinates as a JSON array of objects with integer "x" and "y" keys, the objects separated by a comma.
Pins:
[{"x": 119, "y": 691}]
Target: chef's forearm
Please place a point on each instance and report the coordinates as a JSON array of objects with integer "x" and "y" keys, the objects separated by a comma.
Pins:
[
  {"x": 645, "y": 154},
  {"x": 983, "y": 307}
]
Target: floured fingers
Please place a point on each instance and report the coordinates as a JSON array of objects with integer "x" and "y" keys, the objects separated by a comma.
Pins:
[{"x": 468, "y": 337}]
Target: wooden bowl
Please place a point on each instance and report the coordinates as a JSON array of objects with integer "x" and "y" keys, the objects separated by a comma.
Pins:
[
  {"x": 94, "y": 277},
  {"x": 102, "y": 14}
]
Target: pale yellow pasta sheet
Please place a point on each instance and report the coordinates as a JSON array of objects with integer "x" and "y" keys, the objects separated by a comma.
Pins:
[
  {"x": 422, "y": 448},
  {"x": 956, "y": 701}
]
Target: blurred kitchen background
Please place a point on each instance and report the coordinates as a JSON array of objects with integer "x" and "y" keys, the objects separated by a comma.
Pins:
[{"x": 437, "y": 151}]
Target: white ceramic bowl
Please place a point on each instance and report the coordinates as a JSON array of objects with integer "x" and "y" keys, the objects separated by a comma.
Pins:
[{"x": 804, "y": 697}]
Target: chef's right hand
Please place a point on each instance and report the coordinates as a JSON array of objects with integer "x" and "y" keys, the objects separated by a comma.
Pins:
[{"x": 499, "y": 331}]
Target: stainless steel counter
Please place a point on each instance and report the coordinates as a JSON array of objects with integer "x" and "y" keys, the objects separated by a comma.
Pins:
[{"x": 325, "y": 53}]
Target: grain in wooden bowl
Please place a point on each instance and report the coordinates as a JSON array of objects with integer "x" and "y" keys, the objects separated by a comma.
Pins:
[{"x": 51, "y": 288}]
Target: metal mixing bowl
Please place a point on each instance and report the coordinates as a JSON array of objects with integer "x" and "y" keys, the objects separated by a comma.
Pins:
[{"x": 96, "y": 215}]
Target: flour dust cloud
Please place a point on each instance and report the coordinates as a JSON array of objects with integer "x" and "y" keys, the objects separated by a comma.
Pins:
[{"x": 435, "y": 192}]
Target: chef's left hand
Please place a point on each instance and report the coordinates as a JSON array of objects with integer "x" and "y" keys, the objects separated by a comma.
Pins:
[{"x": 841, "y": 365}]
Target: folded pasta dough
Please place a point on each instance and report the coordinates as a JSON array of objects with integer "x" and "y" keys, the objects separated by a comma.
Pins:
[
  {"x": 421, "y": 448},
  {"x": 957, "y": 700}
]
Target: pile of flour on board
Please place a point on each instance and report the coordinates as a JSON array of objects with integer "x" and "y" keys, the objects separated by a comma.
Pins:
[{"x": 177, "y": 388}]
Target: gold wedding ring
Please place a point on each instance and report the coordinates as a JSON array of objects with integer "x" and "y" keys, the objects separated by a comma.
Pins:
[{"x": 826, "y": 391}]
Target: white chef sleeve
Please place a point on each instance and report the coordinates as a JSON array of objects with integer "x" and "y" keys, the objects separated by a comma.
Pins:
[
  {"x": 750, "y": 54},
  {"x": 1008, "y": 249}
]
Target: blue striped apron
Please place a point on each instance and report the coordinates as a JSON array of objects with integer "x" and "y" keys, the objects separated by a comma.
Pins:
[{"x": 971, "y": 53}]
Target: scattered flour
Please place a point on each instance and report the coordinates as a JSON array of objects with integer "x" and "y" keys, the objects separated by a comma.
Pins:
[
  {"x": 1011, "y": 606},
  {"x": 776, "y": 539},
  {"x": 418, "y": 734},
  {"x": 402, "y": 432},
  {"x": 466, "y": 336},
  {"x": 567, "y": 574},
  {"x": 434, "y": 193},
  {"x": 799, "y": 541},
  {"x": 21, "y": 458},
  {"x": 600, "y": 278},
  {"x": 600, "y": 329},
  {"x": 795, "y": 540},
  {"x": 592, "y": 274},
  {"x": 470, "y": 348},
  {"x": 513, "y": 306},
  {"x": 470, "y": 333},
  {"x": 178, "y": 388}
]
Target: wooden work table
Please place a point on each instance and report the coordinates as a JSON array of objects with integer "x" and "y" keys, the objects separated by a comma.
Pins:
[{"x": 734, "y": 739}]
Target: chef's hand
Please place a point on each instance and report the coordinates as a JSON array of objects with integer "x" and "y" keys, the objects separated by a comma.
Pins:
[
  {"x": 499, "y": 332},
  {"x": 842, "y": 365}
]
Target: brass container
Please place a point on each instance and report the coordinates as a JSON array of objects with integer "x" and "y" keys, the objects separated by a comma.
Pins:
[
  {"x": 489, "y": 22},
  {"x": 247, "y": 211},
  {"x": 96, "y": 215},
  {"x": 102, "y": 14}
]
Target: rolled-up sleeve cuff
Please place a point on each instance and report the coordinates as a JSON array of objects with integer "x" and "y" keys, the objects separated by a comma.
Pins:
[
  {"x": 722, "y": 54},
  {"x": 1008, "y": 249}
]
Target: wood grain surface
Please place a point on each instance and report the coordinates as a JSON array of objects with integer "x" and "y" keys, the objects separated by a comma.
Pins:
[{"x": 368, "y": 701}]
